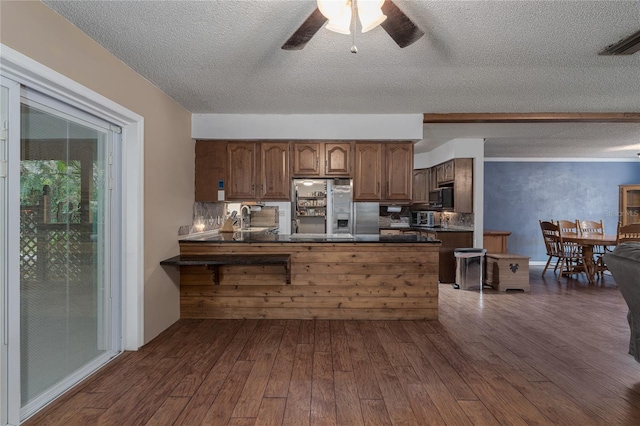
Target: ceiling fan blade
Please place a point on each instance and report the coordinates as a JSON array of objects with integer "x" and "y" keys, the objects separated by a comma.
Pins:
[
  {"x": 303, "y": 34},
  {"x": 399, "y": 26}
]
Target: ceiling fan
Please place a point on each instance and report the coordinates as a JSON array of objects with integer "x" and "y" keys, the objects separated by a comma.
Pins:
[{"x": 401, "y": 29}]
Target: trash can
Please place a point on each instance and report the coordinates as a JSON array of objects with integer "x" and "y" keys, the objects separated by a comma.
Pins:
[{"x": 469, "y": 263}]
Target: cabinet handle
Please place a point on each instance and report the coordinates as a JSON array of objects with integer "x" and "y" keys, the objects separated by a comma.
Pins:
[
  {"x": 387, "y": 187},
  {"x": 378, "y": 187}
]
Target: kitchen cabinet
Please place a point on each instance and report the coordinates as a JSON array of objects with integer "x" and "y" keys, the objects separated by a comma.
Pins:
[
  {"x": 275, "y": 175},
  {"x": 439, "y": 174},
  {"x": 210, "y": 168},
  {"x": 446, "y": 259},
  {"x": 258, "y": 171},
  {"x": 338, "y": 159},
  {"x": 307, "y": 158},
  {"x": 399, "y": 172},
  {"x": 629, "y": 204},
  {"x": 449, "y": 171},
  {"x": 241, "y": 170},
  {"x": 320, "y": 159},
  {"x": 421, "y": 186},
  {"x": 368, "y": 172},
  {"x": 463, "y": 185},
  {"x": 433, "y": 179},
  {"x": 383, "y": 172},
  {"x": 456, "y": 173},
  {"x": 445, "y": 172}
]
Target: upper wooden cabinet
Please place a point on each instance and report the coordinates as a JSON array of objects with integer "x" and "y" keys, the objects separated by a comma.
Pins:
[
  {"x": 211, "y": 167},
  {"x": 445, "y": 172},
  {"x": 258, "y": 171},
  {"x": 399, "y": 172},
  {"x": 307, "y": 158},
  {"x": 421, "y": 186},
  {"x": 457, "y": 173},
  {"x": 338, "y": 159},
  {"x": 463, "y": 185},
  {"x": 383, "y": 172},
  {"x": 368, "y": 172},
  {"x": 322, "y": 159},
  {"x": 241, "y": 170},
  {"x": 275, "y": 175}
]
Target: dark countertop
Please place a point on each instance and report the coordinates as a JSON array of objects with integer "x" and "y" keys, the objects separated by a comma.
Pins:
[
  {"x": 265, "y": 237},
  {"x": 428, "y": 228}
]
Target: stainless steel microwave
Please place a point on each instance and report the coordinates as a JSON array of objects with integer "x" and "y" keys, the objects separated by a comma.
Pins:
[{"x": 441, "y": 198}]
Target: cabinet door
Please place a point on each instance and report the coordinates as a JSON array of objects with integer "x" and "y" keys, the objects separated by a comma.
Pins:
[
  {"x": 629, "y": 204},
  {"x": 211, "y": 160},
  {"x": 433, "y": 179},
  {"x": 368, "y": 172},
  {"x": 448, "y": 171},
  {"x": 439, "y": 174},
  {"x": 241, "y": 171},
  {"x": 420, "y": 186},
  {"x": 463, "y": 186},
  {"x": 337, "y": 159},
  {"x": 275, "y": 176},
  {"x": 307, "y": 158},
  {"x": 399, "y": 171}
]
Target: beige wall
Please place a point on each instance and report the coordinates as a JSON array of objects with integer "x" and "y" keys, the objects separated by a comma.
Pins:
[{"x": 38, "y": 32}]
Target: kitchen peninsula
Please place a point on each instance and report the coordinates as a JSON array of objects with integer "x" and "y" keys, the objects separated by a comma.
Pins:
[{"x": 326, "y": 276}]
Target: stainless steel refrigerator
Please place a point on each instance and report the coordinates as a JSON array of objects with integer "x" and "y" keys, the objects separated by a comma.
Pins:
[
  {"x": 366, "y": 218},
  {"x": 347, "y": 216}
]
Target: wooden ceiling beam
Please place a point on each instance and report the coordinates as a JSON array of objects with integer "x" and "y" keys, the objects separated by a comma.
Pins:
[{"x": 551, "y": 117}]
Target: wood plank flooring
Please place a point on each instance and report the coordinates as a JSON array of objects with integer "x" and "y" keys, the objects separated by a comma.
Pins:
[{"x": 554, "y": 356}]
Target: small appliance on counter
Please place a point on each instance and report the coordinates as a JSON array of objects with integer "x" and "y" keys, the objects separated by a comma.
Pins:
[{"x": 423, "y": 218}]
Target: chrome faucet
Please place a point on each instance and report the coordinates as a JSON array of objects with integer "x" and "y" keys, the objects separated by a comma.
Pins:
[{"x": 242, "y": 215}]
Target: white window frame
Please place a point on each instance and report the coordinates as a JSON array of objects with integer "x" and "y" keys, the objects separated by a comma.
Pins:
[{"x": 16, "y": 66}]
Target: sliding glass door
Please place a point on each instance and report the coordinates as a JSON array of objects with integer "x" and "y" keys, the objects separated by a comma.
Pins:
[{"x": 69, "y": 310}]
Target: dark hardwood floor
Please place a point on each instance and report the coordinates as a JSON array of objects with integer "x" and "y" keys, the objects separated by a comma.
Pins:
[{"x": 554, "y": 356}]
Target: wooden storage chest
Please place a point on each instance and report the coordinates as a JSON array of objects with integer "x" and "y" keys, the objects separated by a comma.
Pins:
[{"x": 507, "y": 271}]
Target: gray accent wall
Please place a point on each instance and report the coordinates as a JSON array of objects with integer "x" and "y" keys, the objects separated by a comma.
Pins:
[{"x": 518, "y": 194}]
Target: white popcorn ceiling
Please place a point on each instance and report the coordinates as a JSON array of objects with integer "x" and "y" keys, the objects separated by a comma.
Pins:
[{"x": 477, "y": 56}]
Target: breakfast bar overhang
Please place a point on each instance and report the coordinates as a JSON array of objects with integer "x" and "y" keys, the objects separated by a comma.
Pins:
[{"x": 373, "y": 277}]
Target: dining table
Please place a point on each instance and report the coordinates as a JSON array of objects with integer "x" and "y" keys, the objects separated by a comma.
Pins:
[{"x": 588, "y": 242}]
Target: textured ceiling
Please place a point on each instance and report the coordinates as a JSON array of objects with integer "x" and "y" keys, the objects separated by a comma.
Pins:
[{"x": 476, "y": 56}]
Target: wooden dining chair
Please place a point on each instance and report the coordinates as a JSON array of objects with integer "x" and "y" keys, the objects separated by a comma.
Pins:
[
  {"x": 569, "y": 255},
  {"x": 551, "y": 236},
  {"x": 568, "y": 227},
  {"x": 591, "y": 227},
  {"x": 629, "y": 232}
]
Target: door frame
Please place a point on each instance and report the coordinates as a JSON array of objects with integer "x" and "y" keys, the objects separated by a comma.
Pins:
[{"x": 18, "y": 67}]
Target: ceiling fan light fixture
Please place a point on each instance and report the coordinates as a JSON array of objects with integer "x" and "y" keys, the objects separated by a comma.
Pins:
[
  {"x": 370, "y": 14},
  {"x": 338, "y": 12},
  {"x": 341, "y": 25}
]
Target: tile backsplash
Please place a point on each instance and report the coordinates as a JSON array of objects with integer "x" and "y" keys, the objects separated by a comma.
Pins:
[
  {"x": 211, "y": 216},
  {"x": 206, "y": 217}
]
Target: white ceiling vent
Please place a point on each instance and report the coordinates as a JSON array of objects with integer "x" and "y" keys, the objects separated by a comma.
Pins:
[{"x": 626, "y": 46}]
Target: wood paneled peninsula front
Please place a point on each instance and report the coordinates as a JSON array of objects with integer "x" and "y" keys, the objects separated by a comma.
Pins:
[{"x": 330, "y": 277}]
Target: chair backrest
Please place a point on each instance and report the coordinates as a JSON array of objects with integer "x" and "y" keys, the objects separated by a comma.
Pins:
[
  {"x": 629, "y": 232},
  {"x": 587, "y": 227},
  {"x": 551, "y": 236},
  {"x": 568, "y": 227}
]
